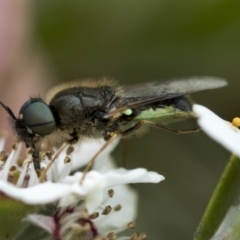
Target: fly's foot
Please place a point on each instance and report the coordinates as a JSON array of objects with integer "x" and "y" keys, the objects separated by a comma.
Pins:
[{"x": 74, "y": 137}]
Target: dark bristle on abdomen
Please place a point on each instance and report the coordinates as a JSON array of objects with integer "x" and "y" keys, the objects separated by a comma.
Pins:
[{"x": 181, "y": 103}]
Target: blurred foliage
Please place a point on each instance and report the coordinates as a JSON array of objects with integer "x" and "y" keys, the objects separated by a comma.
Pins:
[
  {"x": 137, "y": 41},
  {"x": 12, "y": 212}
]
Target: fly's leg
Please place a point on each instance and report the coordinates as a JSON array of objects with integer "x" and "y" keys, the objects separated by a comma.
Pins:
[
  {"x": 128, "y": 132},
  {"x": 125, "y": 151},
  {"x": 112, "y": 137},
  {"x": 36, "y": 162},
  {"x": 172, "y": 130},
  {"x": 132, "y": 129},
  {"x": 157, "y": 125}
]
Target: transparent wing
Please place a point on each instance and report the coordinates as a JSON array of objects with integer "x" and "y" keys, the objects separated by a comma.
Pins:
[
  {"x": 172, "y": 88},
  {"x": 141, "y": 94}
]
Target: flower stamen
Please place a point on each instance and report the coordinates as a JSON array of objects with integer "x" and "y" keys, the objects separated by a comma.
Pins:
[
  {"x": 3, "y": 156},
  {"x": 94, "y": 215},
  {"x": 117, "y": 208},
  {"x": 67, "y": 159},
  {"x": 138, "y": 236},
  {"x": 111, "y": 236},
  {"x": 44, "y": 172},
  {"x": 107, "y": 210},
  {"x": 110, "y": 193},
  {"x": 236, "y": 122},
  {"x": 131, "y": 225},
  {"x": 70, "y": 150},
  {"x": 10, "y": 161}
]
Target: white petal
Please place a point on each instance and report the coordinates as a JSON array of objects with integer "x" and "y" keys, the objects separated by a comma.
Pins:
[
  {"x": 91, "y": 190},
  {"x": 45, "y": 222},
  {"x": 39, "y": 194},
  {"x": 95, "y": 182},
  {"x": 33, "y": 176},
  {"x": 218, "y": 129},
  {"x": 95, "y": 197},
  {"x": 86, "y": 150},
  {"x": 59, "y": 169},
  {"x": 113, "y": 177},
  {"x": 139, "y": 175}
]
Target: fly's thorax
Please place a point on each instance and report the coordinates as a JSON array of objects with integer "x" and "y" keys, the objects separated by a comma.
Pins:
[
  {"x": 84, "y": 97},
  {"x": 74, "y": 106}
]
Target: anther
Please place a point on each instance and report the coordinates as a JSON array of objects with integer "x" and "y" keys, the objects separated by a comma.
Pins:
[
  {"x": 117, "y": 207},
  {"x": 137, "y": 236},
  {"x": 110, "y": 193},
  {"x": 106, "y": 210},
  {"x": 47, "y": 154},
  {"x": 69, "y": 150},
  {"x": 12, "y": 170},
  {"x": 131, "y": 225},
  {"x": 134, "y": 236},
  {"x": 142, "y": 236},
  {"x": 3, "y": 156},
  {"x": 67, "y": 160},
  {"x": 94, "y": 215},
  {"x": 112, "y": 236},
  {"x": 236, "y": 122}
]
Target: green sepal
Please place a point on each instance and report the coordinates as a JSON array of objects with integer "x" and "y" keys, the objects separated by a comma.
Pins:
[{"x": 11, "y": 214}]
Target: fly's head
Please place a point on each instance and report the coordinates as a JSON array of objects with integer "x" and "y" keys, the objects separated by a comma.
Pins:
[{"x": 35, "y": 121}]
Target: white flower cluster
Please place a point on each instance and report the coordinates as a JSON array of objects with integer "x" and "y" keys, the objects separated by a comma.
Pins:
[{"x": 99, "y": 208}]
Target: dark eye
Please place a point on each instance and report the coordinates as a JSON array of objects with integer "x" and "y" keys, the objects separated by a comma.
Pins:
[{"x": 38, "y": 117}]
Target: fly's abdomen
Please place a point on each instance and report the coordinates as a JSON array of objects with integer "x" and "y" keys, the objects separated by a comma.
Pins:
[{"x": 166, "y": 111}]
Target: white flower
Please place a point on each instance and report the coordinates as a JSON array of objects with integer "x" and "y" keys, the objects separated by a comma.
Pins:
[
  {"x": 220, "y": 130},
  {"x": 81, "y": 209},
  {"x": 112, "y": 213},
  {"x": 21, "y": 183}
]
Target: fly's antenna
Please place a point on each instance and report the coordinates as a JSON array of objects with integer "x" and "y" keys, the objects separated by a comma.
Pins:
[{"x": 8, "y": 110}]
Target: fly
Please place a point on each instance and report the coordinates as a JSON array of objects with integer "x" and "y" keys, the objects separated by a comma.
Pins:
[{"x": 76, "y": 111}]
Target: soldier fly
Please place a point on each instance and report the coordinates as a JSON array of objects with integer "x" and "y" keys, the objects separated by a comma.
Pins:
[{"x": 91, "y": 109}]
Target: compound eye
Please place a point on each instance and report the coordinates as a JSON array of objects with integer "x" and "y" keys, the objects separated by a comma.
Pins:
[{"x": 38, "y": 117}]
